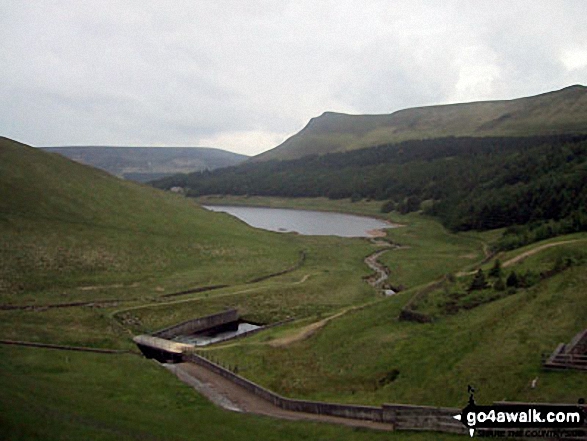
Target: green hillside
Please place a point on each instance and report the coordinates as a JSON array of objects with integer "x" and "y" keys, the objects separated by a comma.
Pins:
[
  {"x": 69, "y": 231},
  {"x": 144, "y": 164},
  {"x": 79, "y": 248},
  {"x": 559, "y": 112},
  {"x": 491, "y": 338},
  {"x": 87, "y": 260}
]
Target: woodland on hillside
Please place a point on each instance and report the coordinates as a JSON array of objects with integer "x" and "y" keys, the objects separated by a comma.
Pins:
[{"x": 537, "y": 186}]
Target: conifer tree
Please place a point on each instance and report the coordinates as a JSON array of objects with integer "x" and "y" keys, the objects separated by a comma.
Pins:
[
  {"x": 513, "y": 280},
  {"x": 496, "y": 270},
  {"x": 479, "y": 281}
]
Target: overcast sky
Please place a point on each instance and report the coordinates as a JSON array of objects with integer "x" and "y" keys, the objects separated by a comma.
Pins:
[{"x": 243, "y": 75}]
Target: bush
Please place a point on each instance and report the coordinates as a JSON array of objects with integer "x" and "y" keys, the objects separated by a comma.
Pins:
[
  {"x": 389, "y": 377},
  {"x": 513, "y": 280},
  {"x": 528, "y": 279},
  {"x": 499, "y": 285},
  {"x": 388, "y": 207}
]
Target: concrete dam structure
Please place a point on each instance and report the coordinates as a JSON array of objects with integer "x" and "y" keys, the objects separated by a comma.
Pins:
[
  {"x": 167, "y": 345},
  {"x": 385, "y": 417},
  {"x": 198, "y": 324}
]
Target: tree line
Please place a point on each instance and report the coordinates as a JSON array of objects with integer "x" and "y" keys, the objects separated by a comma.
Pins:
[{"x": 468, "y": 183}]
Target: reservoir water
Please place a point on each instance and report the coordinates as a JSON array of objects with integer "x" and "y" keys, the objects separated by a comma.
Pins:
[{"x": 306, "y": 222}]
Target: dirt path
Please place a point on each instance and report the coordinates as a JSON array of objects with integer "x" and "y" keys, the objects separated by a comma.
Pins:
[
  {"x": 302, "y": 280},
  {"x": 307, "y": 331},
  {"x": 381, "y": 275},
  {"x": 524, "y": 255},
  {"x": 229, "y": 396},
  {"x": 538, "y": 249}
]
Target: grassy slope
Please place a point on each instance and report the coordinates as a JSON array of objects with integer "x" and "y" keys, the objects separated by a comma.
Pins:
[
  {"x": 496, "y": 346},
  {"x": 65, "y": 227},
  {"x": 61, "y": 395},
  {"x": 330, "y": 279},
  {"x": 51, "y": 395},
  {"x": 563, "y": 111}
]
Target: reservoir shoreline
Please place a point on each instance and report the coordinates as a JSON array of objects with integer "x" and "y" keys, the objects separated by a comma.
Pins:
[{"x": 305, "y": 221}]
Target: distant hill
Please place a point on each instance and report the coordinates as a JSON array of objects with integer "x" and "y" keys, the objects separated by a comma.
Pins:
[
  {"x": 559, "y": 112},
  {"x": 145, "y": 164}
]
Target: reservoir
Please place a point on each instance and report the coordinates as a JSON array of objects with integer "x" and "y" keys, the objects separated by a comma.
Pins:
[{"x": 306, "y": 222}]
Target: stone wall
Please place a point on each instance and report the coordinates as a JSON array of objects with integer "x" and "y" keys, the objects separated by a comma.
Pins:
[{"x": 198, "y": 324}]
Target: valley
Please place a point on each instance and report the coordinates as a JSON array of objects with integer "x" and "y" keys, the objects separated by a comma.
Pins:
[
  {"x": 293, "y": 220},
  {"x": 88, "y": 261}
]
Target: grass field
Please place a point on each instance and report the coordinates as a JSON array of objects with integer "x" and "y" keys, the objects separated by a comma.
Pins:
[
  {"x": 52, "y": 395},
  {"x": 73, "y": 234},
  {"x": 497, "y": 347},
  {"x": 329, "y": 279}
]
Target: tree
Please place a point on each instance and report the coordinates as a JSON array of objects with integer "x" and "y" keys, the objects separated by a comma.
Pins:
[
  {"x": 495, "y": 271},
  {"x": 479, "y": 282},
  {"x": 513, "y": 280}
]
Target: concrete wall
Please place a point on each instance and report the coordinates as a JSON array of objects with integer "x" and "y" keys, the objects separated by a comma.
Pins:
[
  {"x": 402, "y": 417},
  {"x": 256, "y": 331},
  {"x": 315, "y": 407},
  {"x": 198, "y": 324},
  {"x": 161, "y": 355}
]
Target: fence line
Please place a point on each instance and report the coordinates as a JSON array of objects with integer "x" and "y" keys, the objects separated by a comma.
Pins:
[{"x": 66, "y": 347}]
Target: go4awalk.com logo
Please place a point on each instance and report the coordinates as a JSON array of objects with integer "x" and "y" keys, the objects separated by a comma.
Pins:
[{"x": 523, "y": 419}]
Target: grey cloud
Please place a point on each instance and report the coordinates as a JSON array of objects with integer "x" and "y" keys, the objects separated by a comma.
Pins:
[{"x": 180, "y": 73}]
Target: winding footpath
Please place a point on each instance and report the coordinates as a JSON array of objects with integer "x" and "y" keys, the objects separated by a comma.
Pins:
[
  {"x": 524, "y": 255},
  {"x": 529, "y": 253}
]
